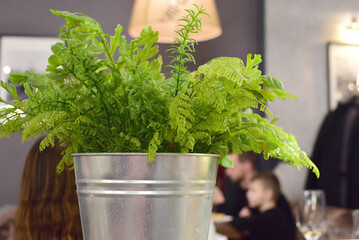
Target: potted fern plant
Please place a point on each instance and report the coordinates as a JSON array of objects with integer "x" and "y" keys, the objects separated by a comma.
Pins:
[{"x": 146, "y": 146}]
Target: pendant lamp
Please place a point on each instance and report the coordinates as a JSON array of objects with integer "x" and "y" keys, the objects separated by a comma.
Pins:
[{"x": 162, "y": 15}]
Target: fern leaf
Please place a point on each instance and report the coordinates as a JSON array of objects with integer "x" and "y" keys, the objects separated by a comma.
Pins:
[
  {"x": 41, "y": 123},
  {"x": 153, "y": 147},
  {"x": 181, "y": 115},
  {"x": 224, "y": 67}
]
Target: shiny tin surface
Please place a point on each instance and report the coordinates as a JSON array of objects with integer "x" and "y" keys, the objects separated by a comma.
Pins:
[{"x": 124, "y": 197}]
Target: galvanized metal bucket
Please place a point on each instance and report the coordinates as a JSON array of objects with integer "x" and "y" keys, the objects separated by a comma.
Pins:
[{"x": 124, "y": 197}]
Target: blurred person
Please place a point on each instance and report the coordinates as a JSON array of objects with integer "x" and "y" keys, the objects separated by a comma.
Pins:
[
  {"x": 48, "y": 206},
  {"x": 7, "y": 215},
  {"x": 237, "y": 182},
  {"x": 269, "y": 223}
]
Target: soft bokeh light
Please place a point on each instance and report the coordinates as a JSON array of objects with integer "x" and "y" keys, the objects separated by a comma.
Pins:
[
  {"x": 6, "y": 69},
  {"x": 350, "y": 33}
]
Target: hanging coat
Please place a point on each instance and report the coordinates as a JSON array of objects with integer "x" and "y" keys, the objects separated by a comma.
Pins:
[{"x": 336, "y": 153}]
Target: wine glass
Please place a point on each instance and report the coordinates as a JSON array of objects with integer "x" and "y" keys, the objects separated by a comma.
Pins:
[{"x": 312, "y": 217}]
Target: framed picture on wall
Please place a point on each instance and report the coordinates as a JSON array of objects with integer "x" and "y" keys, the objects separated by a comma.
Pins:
[
  {"x": 343, "y": 72},
  {"x": 19, "y": 54}
]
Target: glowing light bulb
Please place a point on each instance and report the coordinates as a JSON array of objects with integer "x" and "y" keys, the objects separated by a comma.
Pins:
[
  {"x": 7, "y": 70},
  {"x": 350, "y": 34}
]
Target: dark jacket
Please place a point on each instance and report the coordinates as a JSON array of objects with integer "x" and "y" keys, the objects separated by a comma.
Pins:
[
  {"x": 269, "y": 225},
  {"x": 235, "y": 198},
  {"x": 336, "y": 154}
]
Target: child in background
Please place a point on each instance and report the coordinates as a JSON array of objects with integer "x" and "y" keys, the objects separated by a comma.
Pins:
[{"x": 270, "y": 222}]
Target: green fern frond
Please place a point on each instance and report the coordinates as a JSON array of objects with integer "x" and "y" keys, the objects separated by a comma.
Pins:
[
  {"x": 262, "y": 136},
  {"x": 202, "y": 137},
  {"x": 244, "y": 100},
  {"x": 92, "y": 102},
  {"x": 49, "y": 140},
  {"x": 67, "y": 160},
  {"x": 125, "y": 143},
  {"x": 10, "y": 125},
  {"x": 153, "y": 147},
  {"x": 181, "y": 115},
  {"x": 183, "y": 52},
  {"x": 224, "y": 67},
  {"x": 41, "y": 123}
]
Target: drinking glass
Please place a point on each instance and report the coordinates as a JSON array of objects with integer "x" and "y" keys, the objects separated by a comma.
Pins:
[
  {"x": 311, "y": 217},
  {"x": 355, "y": 217}
]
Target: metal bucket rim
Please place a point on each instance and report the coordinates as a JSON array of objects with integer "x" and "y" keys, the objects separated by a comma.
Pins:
[{"x": 143, "y": 154}]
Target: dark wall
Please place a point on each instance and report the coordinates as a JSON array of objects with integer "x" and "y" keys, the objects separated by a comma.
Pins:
[
  {"x": 241, "y": 22},
  {"x": 33, "y": 18}
]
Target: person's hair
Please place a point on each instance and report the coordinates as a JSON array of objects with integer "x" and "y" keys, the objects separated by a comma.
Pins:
[
  {"x": 251, "y": 157},
  {"x": 48, "y": 207},
  {"x": 269, "y": 181}
]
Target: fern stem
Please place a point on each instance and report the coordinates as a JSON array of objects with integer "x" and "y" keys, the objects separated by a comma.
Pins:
[
  {"x": 94, "y": 93},
  {"x": 171, "y": 146},
  {"x": 107, "y": 50},
  {"x": 104, "y": 102}
]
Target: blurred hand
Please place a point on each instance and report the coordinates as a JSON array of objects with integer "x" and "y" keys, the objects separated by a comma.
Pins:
[
  {"x": 218, "y": 197},
  {"x": 244, "y": 213}
]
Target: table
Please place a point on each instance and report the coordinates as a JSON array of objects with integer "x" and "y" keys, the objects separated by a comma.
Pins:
[
  {"x": 339, "y": 219},
  {"x": 227, "y": 229}
]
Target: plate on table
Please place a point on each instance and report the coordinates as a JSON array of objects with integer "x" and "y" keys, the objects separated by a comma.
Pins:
[{"x": 221, "y": 218}]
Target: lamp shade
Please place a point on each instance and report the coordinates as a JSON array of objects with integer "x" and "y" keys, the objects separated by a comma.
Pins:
[{"x": 162, "y": 15}]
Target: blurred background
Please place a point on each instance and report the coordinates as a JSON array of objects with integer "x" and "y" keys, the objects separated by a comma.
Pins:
[{"x": 292, "y": 36}]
